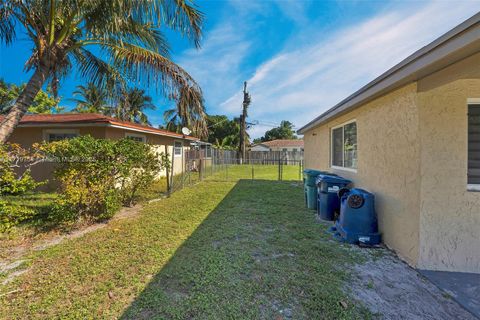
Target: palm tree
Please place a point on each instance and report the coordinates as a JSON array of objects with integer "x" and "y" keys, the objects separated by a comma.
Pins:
[
  {"x": 92, "y": 99},
  {"x": 126, "y": 33},
  {"x": 132, "y": 106},
  {"x": 189, "y": 112}
]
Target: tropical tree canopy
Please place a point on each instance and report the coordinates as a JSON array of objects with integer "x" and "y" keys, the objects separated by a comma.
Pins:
[
  {"x": 189, "y": 112},
  {"x": 223, "y": 132},
  {"x": 107, "y": 42},
  {"x": 92, "y": 99},
  {"x": 132, "y": 106},
  {"x": 44, "y": 102},
  {"x": 282, "y": 132}
]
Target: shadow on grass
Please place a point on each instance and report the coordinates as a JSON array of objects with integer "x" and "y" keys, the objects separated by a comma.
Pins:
[{"x": 258, "y": 255}]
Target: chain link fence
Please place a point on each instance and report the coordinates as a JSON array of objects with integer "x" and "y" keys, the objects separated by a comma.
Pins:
[{"x": 225, "y": 165}]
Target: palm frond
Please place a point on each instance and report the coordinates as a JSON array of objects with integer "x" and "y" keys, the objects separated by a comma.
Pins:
[{"x": 7, "y": 23}]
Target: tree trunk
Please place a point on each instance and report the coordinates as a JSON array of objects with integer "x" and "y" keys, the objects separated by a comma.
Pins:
[{"x": 24, "y": 100}]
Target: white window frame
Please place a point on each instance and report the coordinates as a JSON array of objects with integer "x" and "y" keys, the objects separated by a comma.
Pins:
[
  {"x": 206, "y": 153},
  {"x": 47, "y": 132},
  {"x": 331, "y": 147},
  {"x": 136, "y": 135},
  {"x": 181, "y": 148},
  {"x": 471, "y": 187}
]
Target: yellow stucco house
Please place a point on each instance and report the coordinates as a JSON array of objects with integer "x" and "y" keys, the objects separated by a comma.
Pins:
[
  {"x": 50, "y": 127},
  {"x": 412, "y": 136}
]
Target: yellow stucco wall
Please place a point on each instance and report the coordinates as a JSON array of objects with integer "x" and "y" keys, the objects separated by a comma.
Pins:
[
  {"x": 26, "y": 137},
  {"x": 412, "y": 153},
  {"x": 178, "y": 162},
  {"x": 450, "y": 215},
  {"x": 388, "y": 152}
]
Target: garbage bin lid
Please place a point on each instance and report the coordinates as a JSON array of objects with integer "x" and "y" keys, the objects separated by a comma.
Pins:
[
  {"x": 331, "y": 179},
  {"x": 313, "y": 172},
  {"x": 362, "y": 192}
]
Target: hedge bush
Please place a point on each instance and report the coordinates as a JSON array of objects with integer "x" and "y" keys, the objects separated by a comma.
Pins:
[
  {"x": 11, "y": 215},
  {"x": 97, "y": 176},
  {"x": 12, "y": 156}
]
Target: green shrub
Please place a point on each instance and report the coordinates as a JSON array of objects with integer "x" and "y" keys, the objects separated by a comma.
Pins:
[
  {"x": 138, "y": 168},
  {"x": 96, "y": 175},
  {"x": 11, "y": 215},
  {"x": 11, "y": 183}
]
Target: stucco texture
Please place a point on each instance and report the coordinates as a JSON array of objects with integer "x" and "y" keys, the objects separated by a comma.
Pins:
[
  {"x": 413, "y": 154},
  {"x": 27, "y": 136},
  {"x": 388, "y": 152},
  {"x": 450, "y": 215}
]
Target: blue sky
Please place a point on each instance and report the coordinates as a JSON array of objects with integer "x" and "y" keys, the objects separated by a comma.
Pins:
[{"x": 299, "y": 57}]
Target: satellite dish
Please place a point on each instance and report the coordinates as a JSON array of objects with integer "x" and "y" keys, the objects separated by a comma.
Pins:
[{"x": 186, "y": 131}]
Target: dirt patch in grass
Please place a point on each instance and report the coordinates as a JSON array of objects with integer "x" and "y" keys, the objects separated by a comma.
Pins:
[
  {"x": 14, "y": 265},
  {"x": 393, "y": 290}
]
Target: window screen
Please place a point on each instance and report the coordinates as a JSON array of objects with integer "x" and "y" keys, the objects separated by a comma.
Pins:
[
  {"x": 208, "y": 151},
  {"x": 61, "y": 136},
  {"x": 344, "y": 146},
  {"x": 136, "y": 138},
  {"x": 350, "y": 145},
  {"x": 177, "y": 148},
  {"x": 337, "y": 143},
  {"x": 474, "y": 144}
]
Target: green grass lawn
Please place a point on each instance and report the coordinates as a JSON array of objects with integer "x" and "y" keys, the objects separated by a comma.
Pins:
[
  {"x": 256, "y": 172},
  {"x": 216, "y": 250}
]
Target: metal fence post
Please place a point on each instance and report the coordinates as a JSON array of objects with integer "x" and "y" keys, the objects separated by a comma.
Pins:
[{"x": 278, "y": 169}]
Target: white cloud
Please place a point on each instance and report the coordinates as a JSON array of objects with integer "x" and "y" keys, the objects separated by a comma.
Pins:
[
  {"x": 299, "y": 84},
  {"x": 216, "y": 65},
  {"x": 295, "y": 10}
]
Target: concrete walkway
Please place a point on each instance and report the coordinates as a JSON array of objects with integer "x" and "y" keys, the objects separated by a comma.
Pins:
[
  {"x": 462, "y": 287},
  {"x": 392, "y": 290}
]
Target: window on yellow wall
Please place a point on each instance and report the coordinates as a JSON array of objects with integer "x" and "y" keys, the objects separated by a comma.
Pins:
[
  {"x": 177, "y": 148},
  {"x": 344, "y": 146}
]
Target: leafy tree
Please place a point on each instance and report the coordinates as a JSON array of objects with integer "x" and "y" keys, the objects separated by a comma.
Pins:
[
  {"x": 127, "y": 34},
  {"x": 132, "y": 106},
  {"x": 96, "y": 176},
  {"x": 282, "y": 132},
  {"x": 223, "y": 132},
  {"x": 44, "y": 102},
  {"x": 92, "y": 99}
]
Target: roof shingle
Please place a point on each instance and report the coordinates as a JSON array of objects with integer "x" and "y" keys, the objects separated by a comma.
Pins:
[
  {"x": 92, "y": 118},
  {"x": 283, "y": 143}
]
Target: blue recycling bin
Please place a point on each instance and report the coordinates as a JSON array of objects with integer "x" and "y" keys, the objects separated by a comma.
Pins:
[
  {"x": 310, "y": 187},
  {"x": 358, "y": 221},
  {"x": 328, "y": 200}
]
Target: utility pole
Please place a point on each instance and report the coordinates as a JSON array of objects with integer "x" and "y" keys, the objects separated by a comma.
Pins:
[{"x": 243, "y": 123}]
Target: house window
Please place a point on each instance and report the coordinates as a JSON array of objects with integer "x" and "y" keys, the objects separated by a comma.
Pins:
[
  {"x": 135, "y": 137},
  {"x": 473, "y": 176},
  {"x": 284, "y": 149},
  {"x": 177, "y": 148},
  {"x": 208, "y": 151},
  {"x": 60, "y": 134},
  {"x": 344, "y": 146}
]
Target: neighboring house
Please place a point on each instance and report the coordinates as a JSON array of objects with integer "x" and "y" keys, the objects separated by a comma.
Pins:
[
  {"x": 412, "y": 136},
  {"x": 279, "y": 145},
  {"x": 52, "y": 127}
]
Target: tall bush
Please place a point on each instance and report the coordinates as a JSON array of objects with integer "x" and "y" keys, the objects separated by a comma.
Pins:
[
  {"x": 97, "y": 176},
  {"x": 13, "y": 157},
  {"x": 11, "y": 215}
]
